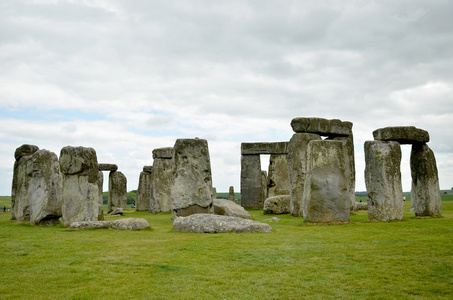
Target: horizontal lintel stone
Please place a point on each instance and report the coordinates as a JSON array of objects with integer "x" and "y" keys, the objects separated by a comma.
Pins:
[
  {"x": 148, "y": 169},
  {"x": 107, "y": 167},
  {"x": 402, "y": 134},
  {"x": 166, "y": 153},
  {"x": 324, "y": 127},
  {"x": 264, "y": 148}
]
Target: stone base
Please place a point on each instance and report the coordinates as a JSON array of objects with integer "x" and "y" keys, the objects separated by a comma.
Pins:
[{"x": 191, "y": 210}]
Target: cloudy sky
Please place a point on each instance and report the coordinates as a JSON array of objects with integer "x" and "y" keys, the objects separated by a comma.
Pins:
[{"x": 125, "y": 77}]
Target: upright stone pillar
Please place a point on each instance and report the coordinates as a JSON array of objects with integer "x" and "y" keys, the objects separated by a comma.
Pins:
[
  {"x": 297, "y": 169},
  {"x": 191, "y": 189},
  {"x": 161, "y": 181},
  {"x": 231, "y": 194},
  {"x": 425, "y": 194},
  {"x": 383, "y": 180},
  {"x": 117, "y": 192},
  {"x": 101, "y": 196},
  {"x": 326, "y": 193},
  {"x": 143, "y": 199},
  {"x": 278, "y": 180},
  {"x": 264, "y": 183},
  {"x": 20, "y": 209},
  {"x": 79, "y": 166},
  {"x": 252, "y": 194}
]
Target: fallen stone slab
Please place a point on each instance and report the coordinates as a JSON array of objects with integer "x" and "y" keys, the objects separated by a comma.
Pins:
[
  {"x": 361, "y": 206},
  {"x": 325, "y": 127},
  {"x": 277, "y": 205},
  {"x": 225, "y": 207},
  {"x": 209, "y": 223},
  {"x": 107, "y": 167},
  {"x": 402, "y": 134},
  {"x": 121, "y": 224}
]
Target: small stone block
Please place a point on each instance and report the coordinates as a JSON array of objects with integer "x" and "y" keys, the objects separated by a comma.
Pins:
[
  {"x": 107, "y": 167},
  {"x": 322, "y": 126},
  {"x": 166, "y": 153}
]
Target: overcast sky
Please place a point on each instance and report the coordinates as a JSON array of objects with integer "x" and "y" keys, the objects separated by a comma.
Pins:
[{"x": 126, "y": 77}]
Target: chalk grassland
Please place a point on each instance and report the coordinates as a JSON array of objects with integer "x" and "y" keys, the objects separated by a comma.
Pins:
[{"x": 409, "y": 259}]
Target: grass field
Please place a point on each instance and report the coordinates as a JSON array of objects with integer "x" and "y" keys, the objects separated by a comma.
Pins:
[{"x": 409, "y": 259}]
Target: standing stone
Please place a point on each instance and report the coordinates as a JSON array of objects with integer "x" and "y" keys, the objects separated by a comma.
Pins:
[
  {"x": 79, "y": 166},
  {"x": 101, "y": 196},
  {"x": 40, "y": 188},
  {"x": 191, "y": 189},
  {"x": 20, "y": 185},
  {"x": 264, "y": 182},
  {"x": 278, "y": 180},
  {"x": 143, "y": 199},
  {"x": 231, "y": 194},
  {"x": 252, "y": 193},
  {"x": 383, "y": 180},
  {"x": 117, "y": 192},
  {"x": 297, "y": 169},
  {"x": 161, "y": 181},
  {"x": 326, "y": 197},
  {"x": 214, "y": 193},
  {"x": 425, "y": 194}
]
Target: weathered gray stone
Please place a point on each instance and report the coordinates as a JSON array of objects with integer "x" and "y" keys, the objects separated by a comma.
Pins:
[
  {"x": 277, "y": 205},
  {"x": 278, "y": 180},
  {"x": 122, "y": 224},
  {"x": 361, "y": 206},
  {"x": 264, "y": 148},
  {"x": 425, "y": 194},
  {"x": 79, "y": 166},
  {"x": 348, "y": 143},
  {"x": 229, "y": 208},
  {"x": 166, "y": 153},
  {"x": 383, "y": 180},
  {"x": 143, "y": 197},
  {"x": 117, "y": 211},
  {"x": 130, "y": 224},
  {"x": 402, "y": 134},
  {"x": 297, "y": 169},
  {"x": 264, "y": 182},
  {"x": 322, "y": 127},
  {"x": 101, "y": 196},
  {"x": 148, "y": 169},
  {"x": 25, "y": 150},
  {"x": 214, "y": 193},
  {"x": 117, "y": 191},
  {"x": 252, "y": 187},
  {"x": 191, "y": 189},
  {"x": 161, "y": 186},
  {"x": 38, "y": 188},
  {"x": 107, "y": 167},
  {"x": 231, "y": 194},
  {"x": 209, "y": 223},
  {"x": 275, "y": 219},
  {"x": 326, "y": 192}
]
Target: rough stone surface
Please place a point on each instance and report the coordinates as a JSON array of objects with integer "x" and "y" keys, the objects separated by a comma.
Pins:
[
  {"x": 402, "y": 134},
  {"x": 122, "y": 224},
  {"x": 39, "y": 187},
  {"x": 209, "y": 223},
  {"x": 425, "y": 193},
  {"x": 228, "y": 208},
  {"x": 79, "y": 166},
  {"x": 192, "y": 179},
  {"x": 130, "y": 224},
  {"x": 25, "y": 150},
  {"x": 361, "y": 206},
  {"x": 252, "y": 187},
  {"x": 161, "y": 186},
  {"x": 231, "y": 194},
  {"x": 107, "y": 167},
  {"x": 383, "y": 180},
  {"x": 277, "y": 205},
  {"x": 275, "y": 219},
  {"x": 166, "y": 153},
  {"x": 278, "y": 180},
  {"x": 117, "y": 211},
  {"x": 296, "y": 163},
  {"x": 148, "y": 169},
  {"x": 101, "y": 196},
  {"x": 117, "y": 191},
  {"x": 321, "y": 126},
  {"x": 214, "y": 193},
  {"x": 264, "y": 181},
  {"x": 264, "y": 148},
  {"x": 143, "y": 197},
  {"x": 326, "y": 192}
]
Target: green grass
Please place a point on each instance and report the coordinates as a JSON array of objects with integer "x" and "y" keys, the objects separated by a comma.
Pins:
[{"x": 409, "y": 259}]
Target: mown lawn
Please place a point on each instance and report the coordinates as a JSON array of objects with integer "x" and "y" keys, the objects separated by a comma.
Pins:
[{"x": 409, "y": 259}]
